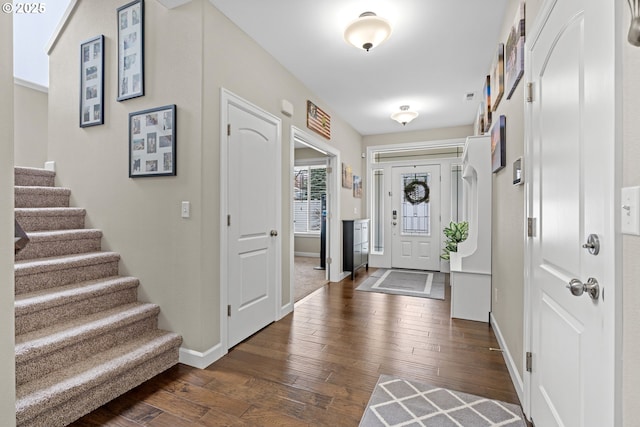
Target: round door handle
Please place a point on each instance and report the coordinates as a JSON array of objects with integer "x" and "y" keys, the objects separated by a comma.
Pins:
[
  {"x": 394, "y": 223},
  {"x": 274, "y": 233},
  {"x": 576, "y": 287}
]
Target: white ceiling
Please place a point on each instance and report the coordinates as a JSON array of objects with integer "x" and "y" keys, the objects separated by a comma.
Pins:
[{"x": 438, "y": 51}]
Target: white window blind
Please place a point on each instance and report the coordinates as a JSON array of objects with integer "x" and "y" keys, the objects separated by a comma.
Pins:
[{"x": 309, "y": 185}]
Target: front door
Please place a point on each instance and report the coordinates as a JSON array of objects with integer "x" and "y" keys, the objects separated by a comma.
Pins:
[
  {"x": 571, "y": 196},
  {"x": 415, "y": 219},
  {"x": 253, "y": 182}
]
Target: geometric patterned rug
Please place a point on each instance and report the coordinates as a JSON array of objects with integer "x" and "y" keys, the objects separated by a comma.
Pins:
[
  {"x": 398, "y": 402},
  {"x": 417, "y": 283}
]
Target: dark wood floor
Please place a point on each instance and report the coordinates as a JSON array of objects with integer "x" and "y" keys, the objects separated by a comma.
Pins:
[{"x": 319, "y": 365}]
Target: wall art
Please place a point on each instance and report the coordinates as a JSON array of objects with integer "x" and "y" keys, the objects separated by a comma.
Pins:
[
  {"x": 152, "y": 142},
  {"x": 92, "y": 82},
  {"x": 514, "y": 53},
  {"x": 318, "y": 120},
  {"x": 497, "y": 77},
  {"x": 498, "y": 144},
  {"x": 131, "y": 50}
]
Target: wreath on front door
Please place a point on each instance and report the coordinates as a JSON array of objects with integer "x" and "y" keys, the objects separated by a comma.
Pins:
[{"x": 416, "y": 192}]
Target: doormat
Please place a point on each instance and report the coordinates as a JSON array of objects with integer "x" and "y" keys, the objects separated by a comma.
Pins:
[
  {"x": 397, "y": 402},
  {"x": 425, "y": 284}
]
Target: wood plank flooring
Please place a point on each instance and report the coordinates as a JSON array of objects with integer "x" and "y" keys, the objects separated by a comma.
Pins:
[{"x": 319, "y": 365}]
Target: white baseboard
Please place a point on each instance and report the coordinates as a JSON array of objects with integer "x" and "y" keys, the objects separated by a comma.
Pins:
[
  {"x": 284, "y": 310},
  {"x": 518, "y": 384},
  {"x": 307, "y": 254},
  {"x": 50, "y": 166},
  {"x": 201, "y": 360}
]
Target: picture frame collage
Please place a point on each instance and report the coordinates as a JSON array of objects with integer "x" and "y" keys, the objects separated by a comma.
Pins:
[
  {"x": 92, "y": 82},
  {"x": 152, "y": 142}
]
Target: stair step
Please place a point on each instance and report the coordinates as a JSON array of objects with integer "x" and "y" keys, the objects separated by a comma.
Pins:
[
  {"x": 61, "y": 397},
  {"x": 46, "y": 244},
  {"x": 42, "y": 197},
  {"x": 34, "y": 275},
  {"x": 41, "y": 352},
  {"x": 40, "y": 309},
  {"x": 34, "y": 177},
  {"x": 40, "y": 219}
]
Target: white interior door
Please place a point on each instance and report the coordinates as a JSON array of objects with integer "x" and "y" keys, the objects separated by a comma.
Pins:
[
  {"x": 253, "y": 183},
  {"x": 415, "y": 226},
  {"x": 571, "y": 196}
]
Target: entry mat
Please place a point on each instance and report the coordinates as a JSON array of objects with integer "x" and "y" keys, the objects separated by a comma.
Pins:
[
  {"x": 418, "y": 283},
  {"x": 398, "y": 402}
]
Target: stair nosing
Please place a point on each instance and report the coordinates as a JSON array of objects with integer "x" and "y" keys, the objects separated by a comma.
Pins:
[
  {"x": 65, "y": 234},
  {"x": 56, "y": 337},
  {"x": 24, "y": 267}
]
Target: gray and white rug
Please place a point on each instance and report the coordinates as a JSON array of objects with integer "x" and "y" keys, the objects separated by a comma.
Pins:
[
  {"x": 397, "y": 402},
  {"x": 417, "y": 283}
]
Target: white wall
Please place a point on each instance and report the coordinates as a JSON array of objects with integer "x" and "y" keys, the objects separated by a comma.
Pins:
[
  {"x": 31, "y": 116},
  {"x": 177, "y": 260},
  {"x": 631, "y": 244},
  {"x": 7, "y": 352}
]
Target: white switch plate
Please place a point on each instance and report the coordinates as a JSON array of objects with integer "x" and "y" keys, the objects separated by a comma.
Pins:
[
  {"x": 630, "y": 215},
  {"x": 186, "y": 209}
]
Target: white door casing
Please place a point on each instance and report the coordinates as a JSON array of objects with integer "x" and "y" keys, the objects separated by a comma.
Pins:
[
  {"x": 251, "y": 184},
  {"x": 570, "y": 194},
  {"x": 416, "y": 228}
]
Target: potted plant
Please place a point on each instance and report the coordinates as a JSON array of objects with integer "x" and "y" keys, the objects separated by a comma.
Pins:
[{"x": 455, "y": 233}]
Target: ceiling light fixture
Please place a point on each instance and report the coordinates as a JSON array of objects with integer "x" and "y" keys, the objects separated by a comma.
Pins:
[
  {"x": 405, "y": 115},
  {"x": 368, "y": 31}
]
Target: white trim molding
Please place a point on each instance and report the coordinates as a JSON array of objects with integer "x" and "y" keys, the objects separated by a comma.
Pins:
[
  {"x": 516, "y": 379},
  {"x": 201, "y": 360},
  {"x": 30, "y": 85},
  {"x": 61, "y": 26}
]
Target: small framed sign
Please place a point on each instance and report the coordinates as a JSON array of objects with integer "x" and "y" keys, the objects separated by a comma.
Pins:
[
  {"x": 92, "y": 82},
  {"x": 152, "y": 142}
]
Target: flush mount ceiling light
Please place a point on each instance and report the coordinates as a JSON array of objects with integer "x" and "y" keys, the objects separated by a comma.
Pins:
[
  {"x": 405, "y": 115},
  {"x": 368, "y": 31}
]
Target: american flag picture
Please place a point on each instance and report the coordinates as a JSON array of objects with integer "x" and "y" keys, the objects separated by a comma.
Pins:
[{"x": 318, "y": 120}]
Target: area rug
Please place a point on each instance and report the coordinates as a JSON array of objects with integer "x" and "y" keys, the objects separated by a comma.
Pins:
[
  {"x": 397, "y": 402},
  {"x": 425, "y": 284}
]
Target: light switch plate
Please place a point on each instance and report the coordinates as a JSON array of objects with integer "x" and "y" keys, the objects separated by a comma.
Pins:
[
  {"x": 186, "y": 210},
  {"x": 630, "y": 215}
]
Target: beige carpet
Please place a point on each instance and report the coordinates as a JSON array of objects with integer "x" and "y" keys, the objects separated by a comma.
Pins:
[{"x": 307, "y": 279}]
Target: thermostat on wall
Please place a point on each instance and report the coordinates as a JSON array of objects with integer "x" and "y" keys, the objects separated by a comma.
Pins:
[{"x": 518, "y": 172}]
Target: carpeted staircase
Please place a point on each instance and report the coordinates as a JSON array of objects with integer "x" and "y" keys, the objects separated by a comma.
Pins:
[{"x": 82, "y": 338}]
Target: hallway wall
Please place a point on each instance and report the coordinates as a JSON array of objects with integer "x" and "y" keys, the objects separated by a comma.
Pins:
[
  {"x": 7, "y": 355},
  {"x": 30, "y": 109},
  {"x": 190, "y": 53}
]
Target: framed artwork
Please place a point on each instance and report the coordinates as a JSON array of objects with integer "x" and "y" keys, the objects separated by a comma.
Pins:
[
  {"x": 357, "y": 187},
  {"x": 92, "y": 82},
  {"x": 486, "y": 93},
  {"x": 498, "y": 144},
  {"x": 347, "y": 176},
  {"x": 514, "y": 53},
  {"x": 131, "y": 50},
  {"x": 152, "y": 142},
  {"x": 497, "y": 77},
  {"x": 478, "y": 124},
  {"x": 318, "y": 120}
]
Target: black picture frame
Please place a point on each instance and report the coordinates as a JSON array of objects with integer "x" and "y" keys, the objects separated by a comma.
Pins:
[
  {"x": 130, "y": 21},
  {"x": 498, "y": 134},
  {"x": 92, "y": 82},
  {"x": 152, "y": 142}
]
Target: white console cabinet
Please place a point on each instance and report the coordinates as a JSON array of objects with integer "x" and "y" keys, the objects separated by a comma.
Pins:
[{"x": 471, "y": 264}]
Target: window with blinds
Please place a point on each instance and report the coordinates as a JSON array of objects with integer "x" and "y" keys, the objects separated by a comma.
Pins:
[{"x": 309, "y": 185}]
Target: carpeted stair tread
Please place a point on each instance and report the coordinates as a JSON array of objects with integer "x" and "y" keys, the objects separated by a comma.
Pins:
[
  {"x": 50, "y": 391},
  {"x": 46, "y": 244},
  {"x": 33, "y": 266},
  {"x": 41, "y": 197},
  {"x": 36, "y": 301},
  {"x": 45, "y": 341},
  {"x": 33, "y": 176},
  {"x": 39, "y": 219}
]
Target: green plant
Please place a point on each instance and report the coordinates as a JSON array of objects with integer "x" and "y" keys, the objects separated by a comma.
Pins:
[{"x": 455, "y": 233}]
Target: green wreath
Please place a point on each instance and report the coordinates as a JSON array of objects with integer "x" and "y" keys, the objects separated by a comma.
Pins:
[{"x": 416, "y": 192}]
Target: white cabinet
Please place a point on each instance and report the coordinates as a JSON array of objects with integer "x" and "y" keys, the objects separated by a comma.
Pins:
[{"x": 471, "y": 265}]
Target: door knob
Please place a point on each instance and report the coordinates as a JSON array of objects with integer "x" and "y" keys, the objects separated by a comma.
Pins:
[
  {"x": 593, "y": 244},
  {"x": 592, "y": 288},
  {"x": 274, "y": 233}
]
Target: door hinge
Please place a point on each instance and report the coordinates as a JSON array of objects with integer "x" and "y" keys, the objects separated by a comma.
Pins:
[
  {"x": 229, "y": 310},
  {"x": 531, "y": 227},
  {"x": 228, "y": 220},
  {"x": 229, "y": 129},
  {"x": 530, "y": 92},
  {"x": 329, "y": 260},
  {"x": 529, "y": 361}
]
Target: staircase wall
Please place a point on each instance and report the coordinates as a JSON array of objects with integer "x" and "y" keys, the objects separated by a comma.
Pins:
[
  {"x": 7, "y": 355},
  {"x": 30, "y": 109}
]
